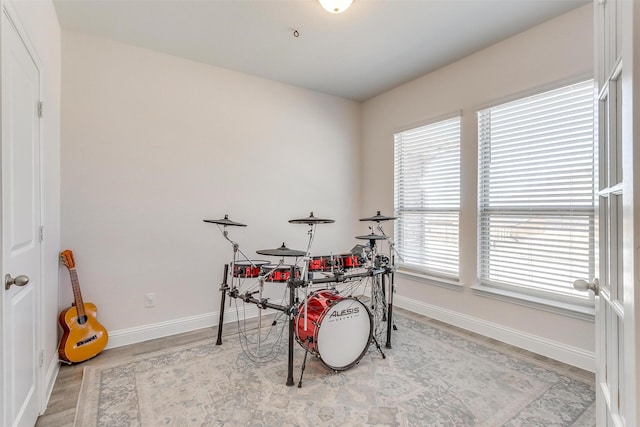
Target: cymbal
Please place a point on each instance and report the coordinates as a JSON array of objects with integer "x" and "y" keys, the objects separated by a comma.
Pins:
[
  {"x": 379, "y": 218},
  {"x": 311, "y": 220},
  {"x": 253, "y": 262},
  {"x": 281, "y": 251},
  {"x": 358, "y": 249},
  {"x": 372, "y": 237},
  {"x": 225, "y": 221}
]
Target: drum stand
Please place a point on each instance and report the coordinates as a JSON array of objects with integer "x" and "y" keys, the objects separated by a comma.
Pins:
[
  {"x": 232, "y": 289},
  {"x": 306, "y": 284},
  {"x": 375, "y": 277},
  {"x": 378, "y": 284},
  {"x": 291, "y": 312},
  {"x": 304, "y": 364},
  {"x": 392, "y": 287},
  {"x": 223, "y": 289},
  {"x": 375, "y": 340}
]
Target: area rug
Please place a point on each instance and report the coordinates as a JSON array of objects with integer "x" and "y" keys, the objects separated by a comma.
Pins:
[{"x": 433, "y": 376}]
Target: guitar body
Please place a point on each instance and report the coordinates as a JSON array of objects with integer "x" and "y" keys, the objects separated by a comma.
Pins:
[{"x": 84, "y": 337}]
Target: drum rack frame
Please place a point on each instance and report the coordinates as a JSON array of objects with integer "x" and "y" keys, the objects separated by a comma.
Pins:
[{"x": 387, "y": 279}]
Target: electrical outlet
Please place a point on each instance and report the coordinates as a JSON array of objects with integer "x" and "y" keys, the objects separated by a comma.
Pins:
[{"x": 150, "y": 300}]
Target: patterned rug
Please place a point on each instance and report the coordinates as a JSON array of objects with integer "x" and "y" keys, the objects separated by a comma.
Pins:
[{"x": 434, "y": 375}]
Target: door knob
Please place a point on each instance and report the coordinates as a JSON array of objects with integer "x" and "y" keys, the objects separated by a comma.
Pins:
[
  {"x": 18, "y": 281},
  {"x": 583, "y": 285}
]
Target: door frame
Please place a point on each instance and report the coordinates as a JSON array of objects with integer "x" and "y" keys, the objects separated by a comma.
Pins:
[
  {"x": 631, "y": 205},
  {"x": 7, "y": 9},
  {"x": 617, "y": 42}
]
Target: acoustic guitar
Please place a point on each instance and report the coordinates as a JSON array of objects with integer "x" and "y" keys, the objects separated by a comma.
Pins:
[{"x": 84, "y": 337}]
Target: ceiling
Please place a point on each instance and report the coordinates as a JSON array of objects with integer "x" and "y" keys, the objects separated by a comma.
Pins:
[{"x": 374, "y": 46}]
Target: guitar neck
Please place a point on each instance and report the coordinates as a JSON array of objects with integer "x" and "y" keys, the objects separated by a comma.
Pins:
[{"x": 77, "y": 296}]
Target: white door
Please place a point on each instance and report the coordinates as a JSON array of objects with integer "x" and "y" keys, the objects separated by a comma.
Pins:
[
  {"x": 20, "y": 230},
  {"x": 616, "y": 304}
]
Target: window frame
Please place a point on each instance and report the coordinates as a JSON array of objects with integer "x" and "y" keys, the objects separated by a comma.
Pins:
[
  {"x": 421, "y": 272},
  {"x": 579, "y": 305}
]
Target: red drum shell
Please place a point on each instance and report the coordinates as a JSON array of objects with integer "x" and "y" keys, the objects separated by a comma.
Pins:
[
  {"x": 336, "y": 314},
  {"x": 280, "y": 274},
  {"x": 348, "y": 261},
  {"x": 245, "y": 269},
  {"x": 320, "y": 263},
  {"x": 338, "y": 262}
]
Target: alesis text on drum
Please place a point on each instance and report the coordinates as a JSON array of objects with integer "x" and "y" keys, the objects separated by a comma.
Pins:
[{"x": 325, "y": 316}]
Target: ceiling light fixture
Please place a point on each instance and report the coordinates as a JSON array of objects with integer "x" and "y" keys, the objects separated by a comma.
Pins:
[{"x": 335, "y": 6}]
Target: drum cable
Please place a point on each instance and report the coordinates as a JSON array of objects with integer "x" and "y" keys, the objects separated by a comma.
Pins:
[{"x": 246, "y": 342}]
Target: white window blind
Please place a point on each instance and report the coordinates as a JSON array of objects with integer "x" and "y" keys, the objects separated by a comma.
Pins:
[
  {"x": 427, "y": 197},
  {"x": 536, "y": 209}
]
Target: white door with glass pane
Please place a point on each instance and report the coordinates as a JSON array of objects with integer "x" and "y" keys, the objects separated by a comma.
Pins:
[{"x": 617, "y": 283}]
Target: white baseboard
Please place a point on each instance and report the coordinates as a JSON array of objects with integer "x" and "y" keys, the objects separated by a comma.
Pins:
[
  {"x": 50, "y": 381},
  {"x": 138, "y": 334},
  {"x": 553, "y": 349}
]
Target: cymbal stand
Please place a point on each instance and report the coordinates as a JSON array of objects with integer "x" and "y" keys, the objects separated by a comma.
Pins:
[
  {"x": 225, "y": 287},
  {"x": 375, "y": 277},
  {"x": 303, "y": 275},
  {"x": 307, "y": 257},
  {"x": 392, "y": 290},
  {"x": 392, "y": 287},
  {"x": 306, "y": 283},
  {"x": 232, "y": 289},
  {"x": 374, "y": 255},
  {"x": 392, "y": 245},
  {"x": 236, "y": 250}
]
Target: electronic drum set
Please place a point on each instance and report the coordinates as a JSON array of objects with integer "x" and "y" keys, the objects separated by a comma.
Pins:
[{"x": 324, "y": 315}]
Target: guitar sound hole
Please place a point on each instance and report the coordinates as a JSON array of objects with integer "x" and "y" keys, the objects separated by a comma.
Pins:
[{"x": 82, "y": 319}]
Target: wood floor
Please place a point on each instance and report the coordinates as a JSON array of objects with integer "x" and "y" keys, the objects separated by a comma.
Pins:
[{"x": 61, "y": 409}]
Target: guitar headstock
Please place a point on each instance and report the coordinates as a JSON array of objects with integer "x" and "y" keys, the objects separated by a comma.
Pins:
[{"x": 66, "y": 257}]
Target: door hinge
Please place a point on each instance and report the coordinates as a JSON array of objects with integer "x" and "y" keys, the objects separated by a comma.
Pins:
[
  {"x": 41, "y": 233},
  {"x": 41, "y": 358},
  {"x": 40, "y": 109}
]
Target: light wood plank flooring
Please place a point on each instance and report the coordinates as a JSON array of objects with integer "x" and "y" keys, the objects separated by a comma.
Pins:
[{"x": 61, "y": 409}]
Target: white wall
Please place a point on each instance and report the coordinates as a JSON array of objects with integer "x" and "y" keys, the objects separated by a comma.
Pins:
[
  {"x": 557, "y": 51},
  {"x": 39, "y": 20},
  {"x": 154, "y": 144}
]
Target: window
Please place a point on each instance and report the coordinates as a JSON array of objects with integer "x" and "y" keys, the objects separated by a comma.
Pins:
[
  {"x": 427, "y": 197},
  {"x": 536, "y": 209}
]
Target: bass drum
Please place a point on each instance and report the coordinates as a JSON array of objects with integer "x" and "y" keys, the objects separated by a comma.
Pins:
[{"x": 338, "y": 329}]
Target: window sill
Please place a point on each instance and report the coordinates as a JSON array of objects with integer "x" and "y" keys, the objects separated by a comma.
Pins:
[
  {"x": 577, "y": 311},
  {"x": 429, "y": 280}
]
